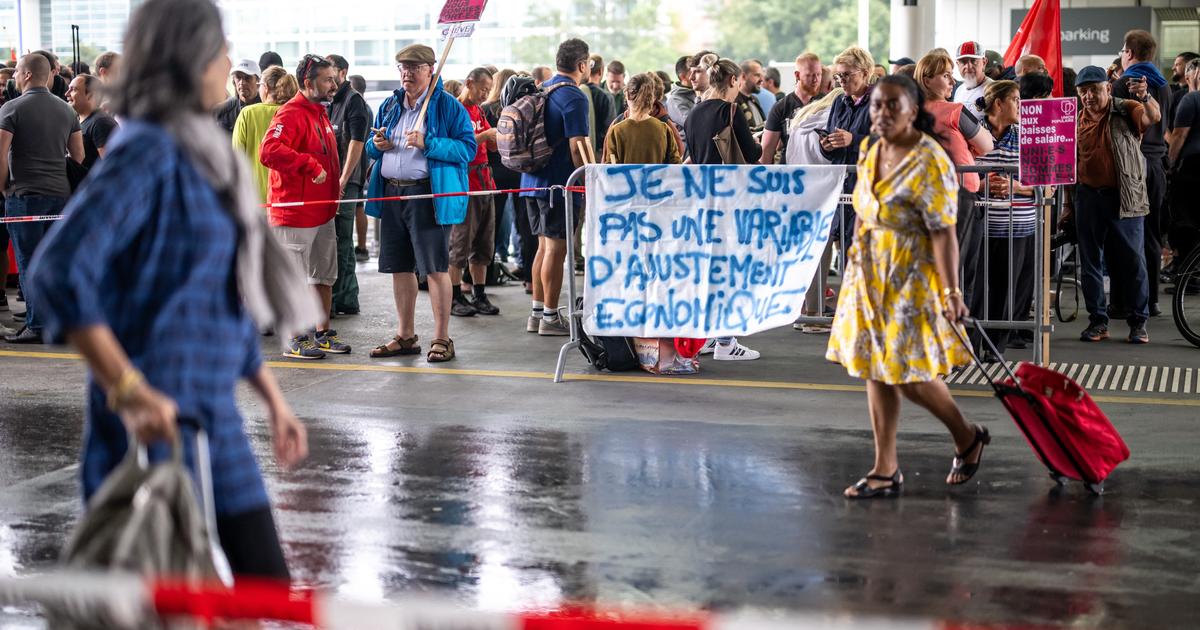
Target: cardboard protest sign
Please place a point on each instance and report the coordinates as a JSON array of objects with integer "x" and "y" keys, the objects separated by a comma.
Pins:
[
  {"x": 461, "y": 11},
  {"x": 1047, "y": 142},
  {"x": 703, "y": 250}
]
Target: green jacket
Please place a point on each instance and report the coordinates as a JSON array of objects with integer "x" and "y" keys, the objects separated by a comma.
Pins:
[{"x": 252, "y": 124}]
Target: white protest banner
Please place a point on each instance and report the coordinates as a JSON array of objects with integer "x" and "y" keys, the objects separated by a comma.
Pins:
[{"x": 703, "y": 250}]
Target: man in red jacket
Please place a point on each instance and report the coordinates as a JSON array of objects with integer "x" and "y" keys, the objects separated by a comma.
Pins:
[{"x": 302, "y": 153}]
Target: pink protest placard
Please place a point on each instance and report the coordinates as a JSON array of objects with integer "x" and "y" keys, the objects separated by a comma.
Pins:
[
  {"x": 455, "y": 11},
  {"x": 1048, "y": 142}
]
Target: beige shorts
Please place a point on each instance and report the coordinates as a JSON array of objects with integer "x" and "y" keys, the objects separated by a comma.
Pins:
[
  {"x": 474, "y": 240},
  {"x": 315, "y": 248}
]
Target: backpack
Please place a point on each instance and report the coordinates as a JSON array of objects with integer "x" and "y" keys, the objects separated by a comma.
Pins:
[
  {"x": 521, "y": 132},
  {"x": 614, "y": 354}
]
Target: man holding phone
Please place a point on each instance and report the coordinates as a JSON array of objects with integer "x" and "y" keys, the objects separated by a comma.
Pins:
[
  {"x": 416, "y": 158},
  {"x": 1141, "y": 81}
]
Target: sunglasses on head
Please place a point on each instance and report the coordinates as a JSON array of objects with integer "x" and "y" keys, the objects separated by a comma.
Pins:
[{"x": 309, "y": 60}]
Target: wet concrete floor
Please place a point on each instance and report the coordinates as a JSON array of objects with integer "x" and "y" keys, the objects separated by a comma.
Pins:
[{"x": 502, "y": 490}]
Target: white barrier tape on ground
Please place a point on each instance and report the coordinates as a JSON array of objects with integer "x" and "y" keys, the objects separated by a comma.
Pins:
[{"x": 130, "y": 600}]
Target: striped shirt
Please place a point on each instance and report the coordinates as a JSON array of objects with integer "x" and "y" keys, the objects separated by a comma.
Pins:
[{"x": 1007, "y": 152}]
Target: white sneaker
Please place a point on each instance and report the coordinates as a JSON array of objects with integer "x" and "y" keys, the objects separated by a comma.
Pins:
[
  {"x": 815, "y": 329},
  {"x": 6, "y": 331},
  {"x": 735, "y": 352},
  {"x": 709, "y": 346}
]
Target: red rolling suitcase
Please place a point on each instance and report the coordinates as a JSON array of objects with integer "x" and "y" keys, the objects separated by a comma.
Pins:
[{"x": 1069, "y": 433}]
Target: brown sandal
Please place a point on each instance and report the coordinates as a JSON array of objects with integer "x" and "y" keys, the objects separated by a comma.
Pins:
[
  {"x": 446, "y": 353},
  {"x": 403, "y": 347}
]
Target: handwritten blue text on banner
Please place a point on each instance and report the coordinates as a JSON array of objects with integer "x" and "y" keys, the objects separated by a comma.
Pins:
[{"x": 703, "y": 250}]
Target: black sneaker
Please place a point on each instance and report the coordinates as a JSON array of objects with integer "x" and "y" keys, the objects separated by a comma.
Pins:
[
  {"x": 361, "y": 254},
  {"x": 483, "y": 306},
  {"x": 1154, "y": 310},
  {"x": 1138, "y": 334},
  {"x": 1094, "y": 332},
  {"x": 460, "y": 307}
]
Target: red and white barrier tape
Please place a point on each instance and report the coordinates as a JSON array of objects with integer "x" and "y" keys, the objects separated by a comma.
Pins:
[
  {"x": 46, "y": 217},
  {"x": 134, "y": 602},
  {"x": 296, "y": 204}
]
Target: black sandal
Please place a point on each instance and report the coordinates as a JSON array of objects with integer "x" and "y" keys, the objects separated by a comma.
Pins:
[
  {"x": 960, "y": 465},
  {"x": 403, "y": 347},
  {"x": 863, "y": 489}
]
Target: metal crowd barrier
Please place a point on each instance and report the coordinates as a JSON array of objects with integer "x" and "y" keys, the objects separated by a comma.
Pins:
[{"x": 1038, "y": 321}]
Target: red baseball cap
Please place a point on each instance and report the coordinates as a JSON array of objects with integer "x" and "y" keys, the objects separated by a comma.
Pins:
[{"x": 970, "y": 49}]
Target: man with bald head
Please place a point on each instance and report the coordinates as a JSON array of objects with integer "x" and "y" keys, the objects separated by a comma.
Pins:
[{"x": 38, "y": 129}]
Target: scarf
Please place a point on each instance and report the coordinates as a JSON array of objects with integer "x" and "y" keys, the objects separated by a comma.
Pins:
[
  {"x": 273, "y": 287},
  {"x": 1154, "y": 78}
]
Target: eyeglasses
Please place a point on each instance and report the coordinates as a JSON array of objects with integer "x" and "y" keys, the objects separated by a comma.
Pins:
[
  {"x": 410, "y": 67},
  {"x": 842, "y": 76}
]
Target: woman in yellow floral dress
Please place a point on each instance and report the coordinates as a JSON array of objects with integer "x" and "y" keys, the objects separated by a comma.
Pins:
[{"x": 901, "y": 296}]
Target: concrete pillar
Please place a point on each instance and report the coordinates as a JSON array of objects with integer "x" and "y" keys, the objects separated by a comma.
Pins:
[
  {"x": 29, "y": 26},
  {"x": 912, "y": 27}
]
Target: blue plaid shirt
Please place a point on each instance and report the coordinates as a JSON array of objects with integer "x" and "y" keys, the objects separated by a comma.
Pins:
[{"x": 147, "y": 248}]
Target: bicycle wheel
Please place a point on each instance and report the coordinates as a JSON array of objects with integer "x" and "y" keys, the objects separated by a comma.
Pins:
[
  {"x": 1186, "y": 301},
  {"x": 1067, "y": 295}
]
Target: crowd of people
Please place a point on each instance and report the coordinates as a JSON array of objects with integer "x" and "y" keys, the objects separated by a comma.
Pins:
[
  {"x": 164, "y": 242},
  {"x": 310, "y": 136}
]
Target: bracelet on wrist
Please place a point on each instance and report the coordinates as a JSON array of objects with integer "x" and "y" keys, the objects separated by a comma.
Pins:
[
  {"x": 948, "y": 292},
  {"x": 119, "y": 393}
]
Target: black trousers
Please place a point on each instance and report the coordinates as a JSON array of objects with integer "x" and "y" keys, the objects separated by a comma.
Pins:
[
  {"x": 1156, "y": 225},
  {"x": 1023, "y": 280},
  {"x": 251, "y": 545},
  {"x": 529, "y": 242},
  {"x": 1184, "y": 229},
  {"x": 971, "y": 232}
]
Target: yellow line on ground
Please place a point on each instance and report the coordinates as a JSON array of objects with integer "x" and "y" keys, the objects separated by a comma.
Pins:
[{"x": 640, "y": 379}]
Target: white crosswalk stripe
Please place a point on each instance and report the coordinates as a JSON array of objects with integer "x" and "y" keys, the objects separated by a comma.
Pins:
[{"x": 1094, "y": 377}]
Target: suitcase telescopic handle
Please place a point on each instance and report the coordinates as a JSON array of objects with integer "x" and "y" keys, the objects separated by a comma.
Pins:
[{"x": 962, "y": 338}]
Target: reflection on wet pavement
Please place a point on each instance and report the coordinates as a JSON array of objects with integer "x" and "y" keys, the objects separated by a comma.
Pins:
[{"x": 512, "y": 513}]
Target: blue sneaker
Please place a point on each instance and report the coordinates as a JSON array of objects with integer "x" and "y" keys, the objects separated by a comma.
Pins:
[
  {"x": 328, "y": 342},
  {"x": 303, "y": 348}
]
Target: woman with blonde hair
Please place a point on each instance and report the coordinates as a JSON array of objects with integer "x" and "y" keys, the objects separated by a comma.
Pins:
[
  {"x": 804, "y": 147},
  {"x": 276, "y": 88},
  {"x": 963, "y": 137}
]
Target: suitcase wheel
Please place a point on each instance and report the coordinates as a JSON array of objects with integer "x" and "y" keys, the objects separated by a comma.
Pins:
[
  {"x": 1058, "y": 479},
  {"x": 1096, "y": 488}
]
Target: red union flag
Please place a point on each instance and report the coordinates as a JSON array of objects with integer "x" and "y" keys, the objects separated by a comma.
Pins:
[
  {"x": 455, "y": 11},
  {"x": 1040, "y": 34}
]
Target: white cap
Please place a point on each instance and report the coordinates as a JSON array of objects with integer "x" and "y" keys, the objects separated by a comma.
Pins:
[{"x": 247, "y": 67}]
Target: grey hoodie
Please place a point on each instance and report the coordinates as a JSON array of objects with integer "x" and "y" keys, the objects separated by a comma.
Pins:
[{"x": 680, "y": 101}]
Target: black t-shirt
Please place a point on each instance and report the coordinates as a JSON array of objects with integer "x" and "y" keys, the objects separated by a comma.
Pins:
[
  {"x": 705, "y": 121},
  {"x": 781, "y": 115},
  {"x": 97, "y": 128},
  {"x": 1154, "y": 141},
  {"x": 602, "y": 113},
  {"x": 227, "y": 112},
  {"x": 504, "y": 177},
  {"x": 351, "y": 119}
]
